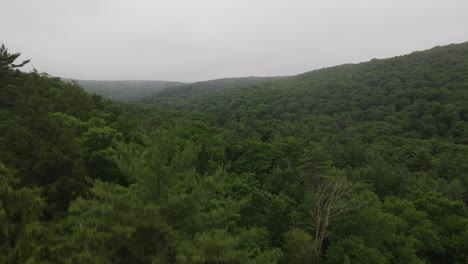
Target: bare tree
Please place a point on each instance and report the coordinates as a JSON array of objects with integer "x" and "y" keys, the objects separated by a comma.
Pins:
[{"x": 331, "y": 200}]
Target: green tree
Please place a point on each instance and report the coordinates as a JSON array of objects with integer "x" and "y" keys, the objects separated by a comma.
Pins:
[
  {"x": 20, "y": 213},
  {"x": 299, "y": 247},
  {"x": 7, "y": 61}
]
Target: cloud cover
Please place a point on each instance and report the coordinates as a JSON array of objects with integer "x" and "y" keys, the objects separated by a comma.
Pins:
[{"x": 185, "y": 40}]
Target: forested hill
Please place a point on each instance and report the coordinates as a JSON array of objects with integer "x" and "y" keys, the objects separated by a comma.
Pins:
[
  {"x": 125, "y": 91},
  {"x": 132, "y": 91},
  {"x": 423, "y": 93},
  {"x": 364, "y": 163},
  {"x": 206, "y": 87}
]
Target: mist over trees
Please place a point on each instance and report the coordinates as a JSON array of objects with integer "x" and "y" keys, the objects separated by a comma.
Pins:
[
  {"x": 358, "y": 163},
  {"x": 124, "y": 91}
]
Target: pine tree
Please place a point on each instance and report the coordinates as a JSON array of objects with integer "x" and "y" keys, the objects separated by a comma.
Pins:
[
  {"x": 7, "y": 62},
  {"x": 7, "y": 59}
]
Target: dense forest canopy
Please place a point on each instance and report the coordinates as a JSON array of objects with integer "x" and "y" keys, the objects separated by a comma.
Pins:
[
  {"x": 359, "y": 163},
  {"x": 207, "y": 87}
]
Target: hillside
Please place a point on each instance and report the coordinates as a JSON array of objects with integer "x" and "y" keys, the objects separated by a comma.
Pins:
[
  {"x": 206, "y": 87},
  {"x": 132, "y": 91},
  {"x": 422, "y": 94},
  {"x": 125, "y": 91},
  {"x": 358, "y": 163}
]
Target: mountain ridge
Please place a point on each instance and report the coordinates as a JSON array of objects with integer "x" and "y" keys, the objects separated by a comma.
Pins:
[{"x": 124, "y": 90}]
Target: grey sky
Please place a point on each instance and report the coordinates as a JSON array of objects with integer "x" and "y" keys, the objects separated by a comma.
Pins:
[{"x": 195, "y": 40}]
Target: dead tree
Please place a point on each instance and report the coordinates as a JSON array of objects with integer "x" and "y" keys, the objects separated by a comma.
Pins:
[{"x": 331, "y": 201}]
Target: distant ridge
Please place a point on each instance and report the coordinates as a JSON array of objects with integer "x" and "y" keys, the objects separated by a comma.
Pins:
[
  {"x": 207, "y": 87},
  {"x": 124, "y": 90}
]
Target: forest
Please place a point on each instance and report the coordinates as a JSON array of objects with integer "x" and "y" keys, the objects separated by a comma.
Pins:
[{"x": 358, "y": 163}]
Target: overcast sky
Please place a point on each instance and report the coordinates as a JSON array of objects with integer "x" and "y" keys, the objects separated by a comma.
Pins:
[{"x": 194, "y": 40}]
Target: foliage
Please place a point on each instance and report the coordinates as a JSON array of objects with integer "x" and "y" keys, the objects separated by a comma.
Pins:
[{"x": 363, "y": 163}]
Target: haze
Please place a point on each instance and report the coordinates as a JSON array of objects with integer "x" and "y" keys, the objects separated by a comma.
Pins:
[{"x": 200, "y": 40}]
